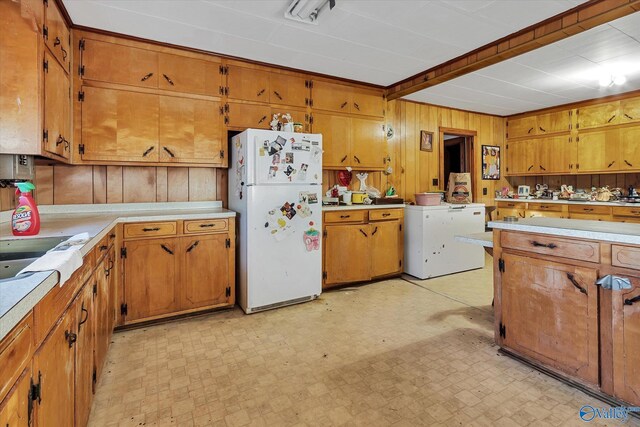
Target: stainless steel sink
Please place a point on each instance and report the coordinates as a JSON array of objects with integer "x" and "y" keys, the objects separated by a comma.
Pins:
[
  {"x": 17, "y": 254},
  {"x": 9, "y": 269}
]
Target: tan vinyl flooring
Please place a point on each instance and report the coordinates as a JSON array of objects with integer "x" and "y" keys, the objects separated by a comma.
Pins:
[{"x": 388, "y": 353}]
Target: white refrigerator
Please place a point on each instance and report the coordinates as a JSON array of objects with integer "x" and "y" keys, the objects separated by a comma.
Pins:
[
  {"x": 430, "y": 247},
  {"x": 275, "y": 186}
]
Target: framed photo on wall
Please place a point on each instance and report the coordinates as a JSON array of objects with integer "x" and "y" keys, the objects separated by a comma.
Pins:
[
  {"x": 490, "y": 162},
  {"x": 426, "y": 140}
]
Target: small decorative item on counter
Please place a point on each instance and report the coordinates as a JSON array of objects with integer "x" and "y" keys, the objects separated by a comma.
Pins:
[
  {"x": 25, "y": 220},
  {"x": 357, "y": 197},
  {"x": 373, "y": 192},
  {"x": 344, "y": 177},
  {"x": 391, "y": 191},
  {"x": 603, "y": 194},
  {"x": 298, "y": 127},
  {"x": 566, "y": 191},
  {"x": 363, "y": 180}
]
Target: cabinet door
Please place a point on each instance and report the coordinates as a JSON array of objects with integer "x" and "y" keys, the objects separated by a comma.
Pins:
[
  {"x": 556, "y": 122},
  {"x": 189, "y": 75},
  {"x": 101, "y": 280},
  {"x": 288, "y": 90},
  {"x": 150, "y": 278},
  {"x": 598, "y": 115},
  {"x": 550, "y": 313},
  {"x": 190, "y": 130},
  {"x": 629, "y": 148},
  {"x": 520, "y": 157},
  {"x": 331, "y": 97},
  {"x": 347, "y": 253},
  {"x": 57, "y": 107},
  {"x": 630, "y": 110},
  {"x": 386, "y": 248},
  {"x": 53, "y": 368},
  {"x": 14, "y": 410},
  {"x": 57, "y": 38},
  {"x": 205, "y": 271},
  {"x": 626, "y": 343},
  {"x": 113, "y": 284},
  {"x": 115, "y": 63},
  {"x": 119, "y": 125},
  {"x": 336, "y": 137},
  {"x": 555, "y": 155},
  {"x": 20, "y": 55},
  {"x": 244, "y": 116},
  {"x": 367, "y": 102},
  {"x": 368, "y": 143},
  {"x": 598, "y": 151},
  {"x": 248, "y": 84},
  {"x": 523, "y": 126},
  {"x": 86, "y": 326}
]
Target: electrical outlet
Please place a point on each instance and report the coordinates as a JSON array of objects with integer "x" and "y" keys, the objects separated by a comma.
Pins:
[
  {"x": 484, "y": 191},
  {"x": 435, "y": 182}
]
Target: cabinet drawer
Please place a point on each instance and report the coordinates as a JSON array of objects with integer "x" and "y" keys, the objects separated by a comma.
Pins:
[
  {"x": 205, "y": 226},
  {"x": 551, "y": 245},
  {"x": 592, "y": 210},
  {"x": 16, "y": 350},
  {"x": 377, "y": 215},
  {"x": 150, "y": 229},
  {"x": 345, "y": 216},
  {"x": 548, "y": 207},
  {"x": 627, "y": 211},
  {"x": 511, "y": 205},
  {"x": 625, "y": 256}
]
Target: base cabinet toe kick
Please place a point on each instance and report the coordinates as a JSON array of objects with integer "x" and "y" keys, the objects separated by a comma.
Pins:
[{"x": 571, "y": 306}]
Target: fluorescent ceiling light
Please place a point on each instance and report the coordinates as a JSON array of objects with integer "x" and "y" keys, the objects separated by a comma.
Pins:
[{"x": 307, "y": 11}]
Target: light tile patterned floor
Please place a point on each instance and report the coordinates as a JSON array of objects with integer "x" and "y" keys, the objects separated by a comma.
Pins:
[{"x": 388, "y": 353}]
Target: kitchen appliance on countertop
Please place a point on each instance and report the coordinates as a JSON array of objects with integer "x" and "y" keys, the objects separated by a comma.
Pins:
[
  {"x": 524, "y": 191},
  {"x": 430, "y": 247},
  {"x": 275, "y": 186}
]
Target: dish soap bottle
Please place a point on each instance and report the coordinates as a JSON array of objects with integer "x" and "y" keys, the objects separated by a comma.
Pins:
[{"x": 25, "y": 220}]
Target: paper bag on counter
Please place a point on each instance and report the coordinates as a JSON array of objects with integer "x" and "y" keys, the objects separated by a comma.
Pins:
[{"x": 459, "y": 190}]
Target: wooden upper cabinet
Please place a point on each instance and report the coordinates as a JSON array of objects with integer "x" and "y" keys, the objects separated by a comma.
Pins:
[
  {"x": 20, "y": 47},
  {"x": 205, "y": 271},
  {"x": 115, "y": 63},
  {"x": 626, "y": 343},
  {"x": 629, "y": 148},
  {"x": 386, "y": 247},
  {"x": 598, "y": 115},
  {"x": 244, "y": 116},
  {"x": 57, "y": 36},
  {"x": 368, "y": 143},
  {"x": 189, "y": 75},
  {"x": 288, "y": 90},
  {"x": 598, "y": 151},
  {"x": 368, "y": 102},
  {"x": 57, "y": 109},
  {"x": 331, "y": 97},
  {"x": 520, "y": 127},
  {"x": 248, "y": 84},
  {"x": 520, "y": 157},
  {"x": 119, "y": 125},
  {"x": 559, "y": 121},
  {"x": 630, "y": 110},
  {"x": 190, "y": 131},
  {"x": 336, "y": 138},
  {"x": 542, "y": 290},
  {"x": 555, "y": 155}
]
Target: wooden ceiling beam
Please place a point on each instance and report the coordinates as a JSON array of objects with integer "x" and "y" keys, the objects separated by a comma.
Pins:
[{"x": 581, "y": 18}]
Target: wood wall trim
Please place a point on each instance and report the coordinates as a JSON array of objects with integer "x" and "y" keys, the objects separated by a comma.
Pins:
[{"x": 581, "y": 18}]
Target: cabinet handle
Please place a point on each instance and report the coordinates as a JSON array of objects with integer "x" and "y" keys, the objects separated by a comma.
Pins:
[
  {"x": 277, "y": 94},
  {"x": 150, "y": 149},
  {"x": 356, "y": 159},
  {"x": 365, "y": 234},
  {"x": 386, "y": 214},
  {"x": 56, "y": 42},
  {"x": 166, "y": 249},
  {"x": 344, "y": 104},
  {"x": 71, "y": 337},
  {"x": 588, "y": 209},
  {"x": 206, "y": 225},
  {"x": 147, "y": 77},
  {"x": 628, "y": 116},
  {"x": 60, "y": 140},
  {"x": 86, "y": 316},
  {"x": 151, "y": 229},
  {"x": 345, "y": 216},
  {"x": 168, "y": 151},
  {"x": 168, "y": 79},
  {"x": 635, "y": 212},
  {"x": 64, "y": 53},
  {"x": 530, "y": 167},
  {"x": 611, "y": 164},
  {"x": 575, "y": 283},
  {"x": 521, "y": 215},
  {"x": 632, "y": 300},
  {"x": 541, "y": 167},
  {"x": 374, "y": 231},
  {"x": 343, "y": 159},
  {"x": 530, "y": 130},
  {"x": 102, "y": 248},
  {"x": 111, "y": 264},
  {"x": 542, "y": 129},
  {"x": 612, "y": 117},
  {"x": 628, "y": 164},
  {"x": 192, "y": 247},
  {"x": 262, "y": 119},
  {"x": 356, "y": 106},
  {"x": 112, "y": 235},
  {"x": 107, "y": 272},
  {"x": 542, "y": 245},
  {"x": 260, "y": 93}
]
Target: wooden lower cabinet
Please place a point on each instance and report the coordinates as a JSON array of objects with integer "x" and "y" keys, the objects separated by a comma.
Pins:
[
  {"x": 347, "y": 253},
  {"x": 626, "y": 342},
  {"x": 86, "y": 324},
  {"x": 387, "y": 246},
  {"x": 15, "y": 408},
  {"x": 103, "y": 285},
  {"x": 549, "y": 312}
]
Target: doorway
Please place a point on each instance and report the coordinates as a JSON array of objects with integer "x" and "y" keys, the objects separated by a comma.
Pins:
[{"x": 456, "y": 155}]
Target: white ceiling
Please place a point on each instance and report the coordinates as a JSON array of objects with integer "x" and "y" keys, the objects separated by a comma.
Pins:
[
  {"x": 379, "y": 42},
  {"x": 566, "y": 71}
]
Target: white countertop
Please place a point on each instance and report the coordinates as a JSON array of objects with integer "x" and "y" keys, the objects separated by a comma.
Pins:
[
  {"x": 359, "y": 207},
  {"x": 442, "y": 206},
  {"x": 482, "y": 239},
  {"x": 616, "y": 232},
  {"x": 570, "y": 202},
  {"x": 18, "y": 296}
]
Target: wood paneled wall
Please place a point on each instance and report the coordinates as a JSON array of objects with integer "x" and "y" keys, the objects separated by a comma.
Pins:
[{"x": 61, "y": 185}]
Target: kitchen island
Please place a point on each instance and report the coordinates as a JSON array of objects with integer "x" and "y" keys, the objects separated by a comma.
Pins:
[{"x": 567, "y": 299}]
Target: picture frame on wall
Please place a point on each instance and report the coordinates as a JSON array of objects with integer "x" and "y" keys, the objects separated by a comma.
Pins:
[
  {"x": 490, "y": 162},
  {"x": 426, "y": 140}
]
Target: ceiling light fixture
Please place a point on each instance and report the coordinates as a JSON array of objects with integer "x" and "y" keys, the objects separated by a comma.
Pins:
[
  {"x": 608, "y": 80},
  {"x": 307, "y": 11}
]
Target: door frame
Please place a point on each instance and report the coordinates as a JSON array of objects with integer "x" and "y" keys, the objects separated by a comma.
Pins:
[{"x": 471, "y": 135}]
